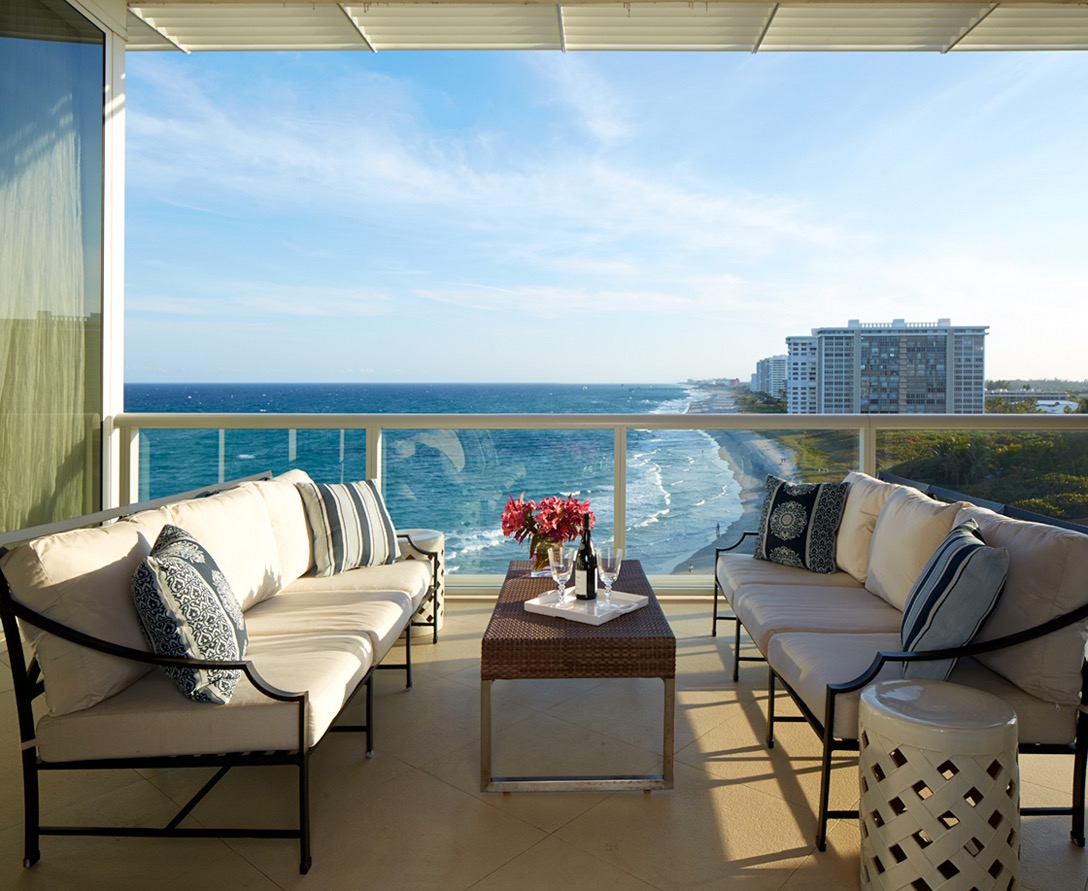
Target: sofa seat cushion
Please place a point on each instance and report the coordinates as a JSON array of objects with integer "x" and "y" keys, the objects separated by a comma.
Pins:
[
  {"x": 1048, "y": 576},
  {"x": 766, "y": 610},
  {"x": 412, "y": 577},
  {"x": 734, "y": 570},
  {"x": 290, "y": 528},
  {"x": 864, "y": 500},
  {"x": 235, "y": 528},
  {"x": 82, "y": 578},
  {"x": 151, "y": 718},
  {"x": 381, "y": 615},
  {"x": 907, "y": 532},
  {"x": 808, "y": 662}
]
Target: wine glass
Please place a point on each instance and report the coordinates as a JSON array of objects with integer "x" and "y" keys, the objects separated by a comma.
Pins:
[
  {"x": 609, "y": 559},
  {"x": 561, "y": 561}
]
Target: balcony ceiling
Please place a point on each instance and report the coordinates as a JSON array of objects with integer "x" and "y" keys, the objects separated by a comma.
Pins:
[{"x": 721, "y": 25}]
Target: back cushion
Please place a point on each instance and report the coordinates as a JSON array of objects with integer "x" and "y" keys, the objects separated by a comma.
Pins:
[
  {"x": 906, "y": 534},
  {"x": 235, "y": 528},
  {"x": 82, "y": 579},
  {"x": 289, "y": 526},
  {"x": 1048, "y": 576},
  {"x": 864, "y": 501}
]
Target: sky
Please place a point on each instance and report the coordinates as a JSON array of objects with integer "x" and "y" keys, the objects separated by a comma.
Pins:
[{"x": 594, "y": 217}]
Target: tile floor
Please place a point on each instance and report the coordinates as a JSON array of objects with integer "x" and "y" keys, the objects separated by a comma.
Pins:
[{"x": 413, "y": 816}]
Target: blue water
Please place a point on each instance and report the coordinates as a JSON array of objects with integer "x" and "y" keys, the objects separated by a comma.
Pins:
[{"x": 678, "y": 489}]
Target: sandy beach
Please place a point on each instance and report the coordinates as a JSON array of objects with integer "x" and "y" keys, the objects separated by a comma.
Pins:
[{"x": 752, "y": 456}]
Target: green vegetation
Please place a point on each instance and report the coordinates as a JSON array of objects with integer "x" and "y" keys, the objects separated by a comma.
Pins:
[
  {"x": 1042, "y": 472},
  {"x": 821, "y": 455},
  {"x": 758, "y": 403}
]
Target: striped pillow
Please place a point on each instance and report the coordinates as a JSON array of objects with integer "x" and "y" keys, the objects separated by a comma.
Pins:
[
  {"x": 952, "y": 597},
  {"x": 350, "y": 525}
]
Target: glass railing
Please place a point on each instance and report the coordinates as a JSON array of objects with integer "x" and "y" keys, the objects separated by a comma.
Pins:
[{"x": 666, "y": 486}]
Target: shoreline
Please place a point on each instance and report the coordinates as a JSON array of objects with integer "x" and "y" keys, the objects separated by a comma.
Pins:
[{"x": 752, "y": 458}]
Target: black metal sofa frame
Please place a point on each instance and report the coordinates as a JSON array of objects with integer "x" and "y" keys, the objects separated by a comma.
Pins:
[
  {"x": 28, "y": 686},
  {"x": 832, "y": 745}
]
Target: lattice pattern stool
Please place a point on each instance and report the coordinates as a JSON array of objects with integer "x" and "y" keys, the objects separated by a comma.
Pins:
[
  {"x": 431, "y": 540},
  {"x": 940, "y": 788}
]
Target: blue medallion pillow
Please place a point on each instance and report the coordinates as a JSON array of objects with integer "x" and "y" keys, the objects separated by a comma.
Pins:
[
  {"x": 955, "y": 593},
  {"x": 799, "y": 523},
  {"x": 349, "y": 524},
  {"x": 187, "y": 610}
]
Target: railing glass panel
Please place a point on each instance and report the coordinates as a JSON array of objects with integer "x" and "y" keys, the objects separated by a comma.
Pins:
[
  {"x": 458, "y": 480},
  {"x": 1037, "y": 470}
]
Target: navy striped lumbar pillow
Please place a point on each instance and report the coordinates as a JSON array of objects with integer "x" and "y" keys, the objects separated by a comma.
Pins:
[
  {"x": 953, "y": 596},
  {"x": 350, "y": 525}
]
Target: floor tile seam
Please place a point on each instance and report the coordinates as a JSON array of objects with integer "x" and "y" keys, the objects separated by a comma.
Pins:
[
  {"x": 607, "y": 735},
  {"x": 477, "y": 882}
]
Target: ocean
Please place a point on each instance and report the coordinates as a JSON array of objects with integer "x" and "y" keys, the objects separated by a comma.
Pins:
[{"x": 680, "y": 490}]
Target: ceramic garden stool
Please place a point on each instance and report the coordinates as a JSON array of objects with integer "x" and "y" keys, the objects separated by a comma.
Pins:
[
  {"x": 940, "y": 788},
  {"x": 431, "y": 540}
]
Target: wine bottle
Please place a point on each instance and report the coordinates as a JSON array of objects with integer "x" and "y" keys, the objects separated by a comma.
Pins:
[{"x": 585, "y": 566}]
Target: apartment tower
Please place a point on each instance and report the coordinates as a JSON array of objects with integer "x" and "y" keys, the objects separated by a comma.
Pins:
[{"x": 901, "y": 368}]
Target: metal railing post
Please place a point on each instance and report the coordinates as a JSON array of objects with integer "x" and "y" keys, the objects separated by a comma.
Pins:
[
  {"x": 619, "y": 488},
  {"x": 374, "y": 453}
]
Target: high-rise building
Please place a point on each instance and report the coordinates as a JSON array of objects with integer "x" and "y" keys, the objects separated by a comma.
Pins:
[
  {"x": 901, "y": 368},
  {"x": 801, "y": 373},
  {"x": 770, "y": 376}
]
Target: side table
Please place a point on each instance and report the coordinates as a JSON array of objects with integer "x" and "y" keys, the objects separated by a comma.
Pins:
[
  {"x": 940, "y": 788},
  {"x": 434, "y": 610}
]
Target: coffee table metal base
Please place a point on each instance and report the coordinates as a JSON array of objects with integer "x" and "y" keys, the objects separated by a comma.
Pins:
[{"x": 643, "y": 782}]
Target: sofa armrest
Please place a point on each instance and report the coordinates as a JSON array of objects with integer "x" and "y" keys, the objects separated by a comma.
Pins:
[
  {"x": 970, "y": 649},
  {"x": 415, "y": 548},
  {"x": 721, "y": 549},
  {"x": 25, "y": 614}
]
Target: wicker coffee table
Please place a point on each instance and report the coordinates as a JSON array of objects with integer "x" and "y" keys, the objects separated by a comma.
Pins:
[{"x": 523, "y": 645}]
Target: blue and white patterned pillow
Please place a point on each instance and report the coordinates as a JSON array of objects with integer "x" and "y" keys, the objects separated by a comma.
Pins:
[
  {"x": 187, "y": 610},
  {"x": 350, "y": 525},
  {"x": 799, "y": 524},
  {"x": 953, "y": 596}
]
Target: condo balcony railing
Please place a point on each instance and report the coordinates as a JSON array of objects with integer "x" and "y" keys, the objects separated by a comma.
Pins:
[{"x": 665, "y": 486}]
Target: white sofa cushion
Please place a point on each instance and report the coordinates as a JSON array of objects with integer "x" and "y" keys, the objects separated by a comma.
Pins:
[
  {"x": 809, "y": 662},
  {"x": 1048, "y": 576},
  {"x": 864, "y": 500},
  {"x": 151, "y": 718},
  {"x": 410, "y": 577},
  {"x": 735, "y": 570},
  {"x": 381, "y": 615},
  {"x": 766, "y": 610},
  {"x": 81, "y": 579},
  {"x": 235, "y": 528},
  {"x": 294, "y": 542},
  {"x": 906, "y": 534}
]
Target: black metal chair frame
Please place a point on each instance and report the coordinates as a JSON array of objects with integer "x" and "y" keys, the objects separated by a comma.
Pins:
[
  {"x": 824, "y": 726},
  {"x": 719, "y": 592},
  {"x": 29, "y": 685}
]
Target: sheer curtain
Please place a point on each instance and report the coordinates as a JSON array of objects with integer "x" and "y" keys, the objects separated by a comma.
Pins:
[{"x": 51, "y": 95}]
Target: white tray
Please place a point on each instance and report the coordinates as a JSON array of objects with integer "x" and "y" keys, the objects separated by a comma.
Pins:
[{"x": 588, "y": 612}]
